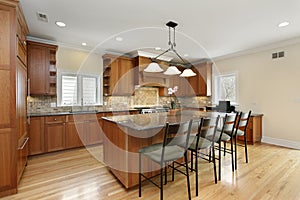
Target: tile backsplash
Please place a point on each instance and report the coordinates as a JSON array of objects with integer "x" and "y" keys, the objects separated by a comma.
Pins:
[{"x": 144, "y": 96}]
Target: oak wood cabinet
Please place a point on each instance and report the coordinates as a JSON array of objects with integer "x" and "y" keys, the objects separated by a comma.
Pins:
[
  {"x": 36, "y": 135},
  {"x": 153, "y": 79},
  {"x": 254, "y": 129},
  {"x": 202, "y": 82},
  {"x": 13, "y": 87},
  {"x": 42, "y": 68},
  {"x": 53, "y": 133},
  {"x": 55, "y": 127},
  {"x": 82, "y": 130},
  {"x": 95, "y": 132},
  {"x": 74, "y": 133},
  {"x": 118, "y": 75}
]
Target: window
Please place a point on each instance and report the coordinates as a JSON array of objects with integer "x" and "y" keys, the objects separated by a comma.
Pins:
[
  {"x": 69, "y": 90},
  {"x": 78, "y": 90},
  {"x": 225, "y": 87},
  {"x": 89, "y": 90}
]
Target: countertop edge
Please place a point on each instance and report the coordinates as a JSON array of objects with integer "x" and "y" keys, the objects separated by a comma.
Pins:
[{"x": 76, "y": 113}]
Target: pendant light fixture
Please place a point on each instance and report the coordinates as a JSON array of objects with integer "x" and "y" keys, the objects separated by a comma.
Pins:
[
  {"x": 187, "y": 73},
  {"x": 172, "y": 70}
]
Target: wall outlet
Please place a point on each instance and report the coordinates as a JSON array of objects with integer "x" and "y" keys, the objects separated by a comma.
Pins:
[{"x": 52, "y": 104}]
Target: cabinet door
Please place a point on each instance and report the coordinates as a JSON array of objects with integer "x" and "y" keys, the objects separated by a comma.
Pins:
[
  {"x": 55, "y": 136},
  {"x": 21, "y": 96},
  {"x": 36, "y": 135},
  {"x": 94, "y": 132},
  {"x": 125, "y": 80},
  {"x": 37, "y": 69},
  {"x": 75, "y": 134}
]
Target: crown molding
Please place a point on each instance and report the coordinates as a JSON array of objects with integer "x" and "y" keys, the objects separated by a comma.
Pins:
[{"x": 60, "y": 44}]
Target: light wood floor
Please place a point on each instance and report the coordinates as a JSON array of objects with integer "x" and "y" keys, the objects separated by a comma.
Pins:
[{"x": 272, "y": 173}]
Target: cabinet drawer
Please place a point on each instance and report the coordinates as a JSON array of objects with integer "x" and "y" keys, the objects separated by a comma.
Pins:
[
  {"x": 77, "y": 118},
  {"x": 81, "y": 117},
  {"x": 55, "y": 119},
  {"x": 22, "y": 53}
]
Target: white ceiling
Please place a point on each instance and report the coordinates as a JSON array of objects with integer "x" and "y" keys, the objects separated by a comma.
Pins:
[{"x": 207, "y": 28}]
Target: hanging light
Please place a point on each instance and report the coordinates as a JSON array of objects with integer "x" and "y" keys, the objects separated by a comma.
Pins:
[
  {"x": 153, "y": 67},
  {"x": 172, "y": 70},
  {"x": 188, "y": 73}
]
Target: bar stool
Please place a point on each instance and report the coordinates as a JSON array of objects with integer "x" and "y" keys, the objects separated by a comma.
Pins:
[
  {"x": 168, "y": 152},
  {"x": 207, "y": 128}
]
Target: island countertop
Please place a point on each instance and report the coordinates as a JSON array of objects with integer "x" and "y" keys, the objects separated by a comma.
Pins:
[{"x": 158, "y": 120}]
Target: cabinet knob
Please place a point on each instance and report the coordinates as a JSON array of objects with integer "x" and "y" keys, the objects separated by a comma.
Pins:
[{"x": 55, "y": 119}]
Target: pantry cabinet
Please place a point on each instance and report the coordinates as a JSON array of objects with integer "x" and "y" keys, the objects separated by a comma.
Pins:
[{"x": 13, "y": 87}]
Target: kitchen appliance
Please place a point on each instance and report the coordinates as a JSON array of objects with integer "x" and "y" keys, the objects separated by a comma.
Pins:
[{"x": 224, "y": 106}]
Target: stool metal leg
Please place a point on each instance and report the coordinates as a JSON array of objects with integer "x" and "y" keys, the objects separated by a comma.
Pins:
[
  {"x": 140, "y": 175},
  {"x": 187, "y": 175}
]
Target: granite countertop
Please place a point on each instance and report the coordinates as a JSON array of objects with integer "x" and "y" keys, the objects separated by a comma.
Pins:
[
  {"x": 158, "y": 120},
  {"x": 99, "y": 110}
]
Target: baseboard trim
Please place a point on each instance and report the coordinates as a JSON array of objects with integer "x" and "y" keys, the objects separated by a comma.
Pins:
[{"x": 281, "y": 142}]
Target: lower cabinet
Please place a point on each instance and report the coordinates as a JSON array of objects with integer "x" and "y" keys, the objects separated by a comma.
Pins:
[
  {"x": 53, "y": 133},
  {"x": 22, "y": 157},
  {"x": 254, "y": 129},
  {"x": 95, "y": 132},
  {"x": 55, "y": 136},
  {"x": 74, "y": 134},
  {"x": 36, "y": 135}
]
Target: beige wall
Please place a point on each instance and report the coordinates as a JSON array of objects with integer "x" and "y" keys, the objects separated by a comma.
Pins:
[
  {"x": 78, "y": 61},
  {"x": 271, "y": 87}
]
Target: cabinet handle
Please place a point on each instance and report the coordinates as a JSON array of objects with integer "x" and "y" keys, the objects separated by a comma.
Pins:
[
  {"x": 25, "y": 142},
  {"x": 24, "y": 42}
]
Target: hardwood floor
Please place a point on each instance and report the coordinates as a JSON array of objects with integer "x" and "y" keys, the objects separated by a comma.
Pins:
[{"x": 272, "y": 173}]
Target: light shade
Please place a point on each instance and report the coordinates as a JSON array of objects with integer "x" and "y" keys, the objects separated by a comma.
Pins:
[
  {"x": 153, "y": 67},
  {"x": 187, "y": 73},
  {"x": 172, "y": 70}
]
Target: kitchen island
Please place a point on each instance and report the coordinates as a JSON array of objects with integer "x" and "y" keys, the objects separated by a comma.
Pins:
[{"x": 125, "y": 135}]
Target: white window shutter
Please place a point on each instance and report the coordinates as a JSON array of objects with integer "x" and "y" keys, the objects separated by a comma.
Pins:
[
  {"x": 69, "y": 90},
  {"x": 89, "y": 91}
]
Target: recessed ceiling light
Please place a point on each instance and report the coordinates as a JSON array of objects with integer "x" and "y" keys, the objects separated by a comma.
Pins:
[
  {"x": 119, "y": 39},
  {"x": 186, "y": 55},
  {"x": 60, "y": 24},
  {"x": 83, "y": 44},
  {"x": 283, "y": 24},
  {"x": 157, "y": 48}
]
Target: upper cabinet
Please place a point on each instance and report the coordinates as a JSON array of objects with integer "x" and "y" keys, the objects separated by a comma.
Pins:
[
  {"x": 42, "y": 68},
  {"x": 202, "y": 82},
  {"x": 122, "y": 74},
  {"x": 118, "y": 75},
  {"x": 199, "y": 85}
]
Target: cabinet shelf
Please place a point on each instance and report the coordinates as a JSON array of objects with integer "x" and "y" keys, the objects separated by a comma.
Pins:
[{"x": 42, "y": 68}]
